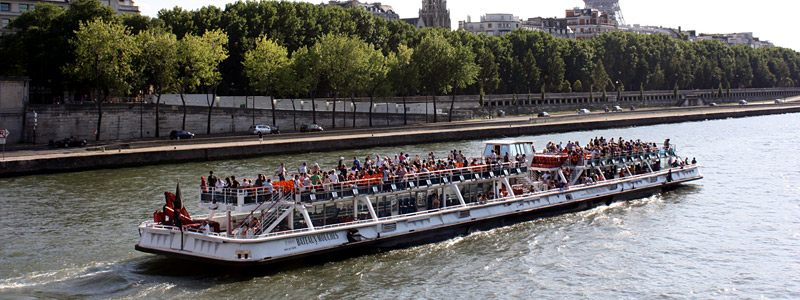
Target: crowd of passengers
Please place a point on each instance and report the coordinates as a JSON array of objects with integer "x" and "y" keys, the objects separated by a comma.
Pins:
[
  {"x": 384, "y": 169},
  {"x": 600, "y": 147}
]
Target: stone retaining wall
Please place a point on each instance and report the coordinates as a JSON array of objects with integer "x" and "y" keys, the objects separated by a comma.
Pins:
[{"x": 130, "y": 121}]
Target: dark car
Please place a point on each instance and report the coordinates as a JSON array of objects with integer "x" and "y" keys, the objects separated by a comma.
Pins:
[
  {"x": 67, "y": 142},
  {"x": 180, "y": 135},
  {"x": 274, "y": 129},
  {"x": 544, "y": 114},
  {"x": 311, "y": 128}
]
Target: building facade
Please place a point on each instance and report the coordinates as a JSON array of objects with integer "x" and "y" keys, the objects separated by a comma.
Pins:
[
  {"x": 377, "y": 9},
  {"x": 554, "y": 26},
  {"x": 10, "y": 9},
  {"x": 587, "y": 23},
  {"x": 434, "y": 13},
  {"x": 733, "y": 39},
  {"x": 492, "y": 24}
]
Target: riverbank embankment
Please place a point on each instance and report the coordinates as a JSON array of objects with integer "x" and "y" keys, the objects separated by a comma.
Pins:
[{"x": 24, "y": 162}]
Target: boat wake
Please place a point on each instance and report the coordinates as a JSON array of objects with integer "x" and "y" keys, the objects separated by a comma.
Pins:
[{"x": 136, "y": 278}]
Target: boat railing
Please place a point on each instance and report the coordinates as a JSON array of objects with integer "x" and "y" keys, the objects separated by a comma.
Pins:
[
  {"x": 627, "y": 156},
  {"x": 376, "y": 184},
  {"x": 468, "y": 205}
]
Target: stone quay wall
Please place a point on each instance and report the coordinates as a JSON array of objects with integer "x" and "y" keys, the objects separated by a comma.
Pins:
[{"x": 132, "y": 121}]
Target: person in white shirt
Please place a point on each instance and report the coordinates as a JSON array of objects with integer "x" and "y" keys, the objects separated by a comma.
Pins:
[
  {"x": 333, "y": 178},
  {"x": 281, "y": 173},
  {"x": 302, "y": 169}
]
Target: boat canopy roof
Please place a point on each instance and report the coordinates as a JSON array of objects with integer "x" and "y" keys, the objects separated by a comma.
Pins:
[{"x": 512, "y": 147}]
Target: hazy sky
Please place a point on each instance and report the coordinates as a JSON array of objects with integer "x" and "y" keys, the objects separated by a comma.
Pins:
[{"x": 706, "y": 16}]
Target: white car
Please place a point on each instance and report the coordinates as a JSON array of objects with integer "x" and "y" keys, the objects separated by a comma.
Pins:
[
  {"x": 263, "y": 129},
  {"x": 742, "y": 102},
  {"x": 779, "y": 101},
  {"x": 583, "y": 111},
  {"x": 616, "y": 108}
]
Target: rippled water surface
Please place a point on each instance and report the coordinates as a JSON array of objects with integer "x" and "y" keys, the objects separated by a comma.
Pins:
[{"x": 734, "y": 234}]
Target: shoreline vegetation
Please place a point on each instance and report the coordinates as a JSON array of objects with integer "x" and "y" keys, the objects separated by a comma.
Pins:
[{"x": 287, "y": 49}]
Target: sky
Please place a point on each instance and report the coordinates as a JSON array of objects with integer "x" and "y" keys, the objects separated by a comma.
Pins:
[{"x": 705, "y": 16}]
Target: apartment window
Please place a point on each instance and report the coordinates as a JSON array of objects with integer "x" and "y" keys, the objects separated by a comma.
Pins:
[
  {"x": 5, "y": 6},
  {"x": 106, "y": 2},
  {"x": 5, "y": 22},
  {"x": 490, "y": 25},
  {"x": 25, "y": 7}
]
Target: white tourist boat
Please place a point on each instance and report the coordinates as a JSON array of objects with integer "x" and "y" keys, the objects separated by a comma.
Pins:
[{"x": 258, "y": 226}]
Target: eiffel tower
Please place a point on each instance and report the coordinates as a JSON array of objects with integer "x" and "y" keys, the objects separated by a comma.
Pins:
[{"x": 607, "y": 6}]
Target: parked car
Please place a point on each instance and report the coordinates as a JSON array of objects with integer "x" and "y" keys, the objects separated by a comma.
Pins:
[
  {"x": 67, "y": 142},
  {"x": 311, "y": 128},
  {"x": 779, "y": 101},
  {"x": 180, "y": 135},
  {"x": 544, "y": 114},
  {"x": 583, "y": 111},
  {"x": 274, "y": 129},
  {"x": 263, "y": 129},
  {"x": 742, "y": 102},
  {"x": 616, "y": 108},
  {"x": 712, "y": 104}
]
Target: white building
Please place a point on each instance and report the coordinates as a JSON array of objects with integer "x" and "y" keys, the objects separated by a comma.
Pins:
[
  {"x": 733, "y": 39},
  {"x": 492, "y": 24},
  {"x": 554, "y": 26},
  {"x": 10, "y": 9}
]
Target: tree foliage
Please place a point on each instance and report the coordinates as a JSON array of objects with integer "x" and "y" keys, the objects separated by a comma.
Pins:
[{"x": 334, "y": 52}]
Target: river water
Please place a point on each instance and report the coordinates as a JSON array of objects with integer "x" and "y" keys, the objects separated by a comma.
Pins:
[{"x": 733, "y": 235}]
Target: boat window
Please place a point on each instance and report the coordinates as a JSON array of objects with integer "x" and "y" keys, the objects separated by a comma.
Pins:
[
  {"x": 487, "y": 151},
  {"x": 504, "y": 149}
]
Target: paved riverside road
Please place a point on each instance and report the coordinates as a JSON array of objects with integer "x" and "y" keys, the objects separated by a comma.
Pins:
[{"x": 160, "y": 146}]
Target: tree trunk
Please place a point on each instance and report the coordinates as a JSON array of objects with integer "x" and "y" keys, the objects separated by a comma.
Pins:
[
  {"x": 313, "y": 109},
  {"x": 99, "y": 119},
  {"x": 333, "y": 112},
  {"x": 405, "y": 117},
  {"x": 272, "y": 101},
  {"x": 371, "y": 105},
  {"x": 183, "y": 100},
  {"x": 158, "y": 126},
  {"x": 435, "y": 120},
  {"x": 210, "y": 109},
  {"x": 452, "y": 105},
  {"x": 388, "y": 120},
  {"x": 294, "y": 116}
]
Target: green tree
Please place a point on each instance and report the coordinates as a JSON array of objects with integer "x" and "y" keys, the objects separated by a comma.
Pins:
[
  {"x": 158, "y": 61},
  {"x": 268, "y": 68},
  {"x": 198, "y": 66},
  {"x": 404, "y": 76},
  {"x": 375, "y": 81},
  {"x": 305, "y": 63},
  {"x": 341, "y": 59},
  {"x": 577, "y": 86},
  {"x": 599, "y": 76},
  {"x": 103, "y": 55},
  {"x": 443, "y": 67}
]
